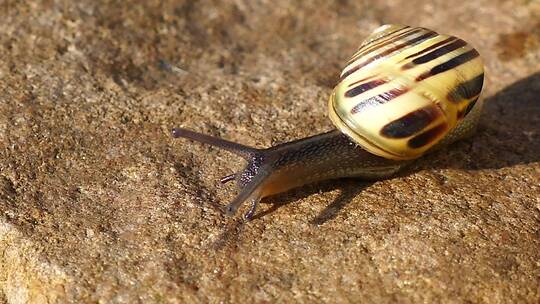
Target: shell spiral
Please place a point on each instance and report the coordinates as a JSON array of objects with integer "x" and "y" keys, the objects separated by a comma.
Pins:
[{"x": 405, "y": 89}]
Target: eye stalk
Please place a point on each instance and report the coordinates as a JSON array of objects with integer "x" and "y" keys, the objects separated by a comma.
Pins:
[{"x": 250, "y": 180}]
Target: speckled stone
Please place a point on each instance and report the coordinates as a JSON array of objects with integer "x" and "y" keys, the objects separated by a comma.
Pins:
[{"x": 99, "y": 204}]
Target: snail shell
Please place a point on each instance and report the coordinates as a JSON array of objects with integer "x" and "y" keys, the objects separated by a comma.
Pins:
[{"x": 405, "y": 89}]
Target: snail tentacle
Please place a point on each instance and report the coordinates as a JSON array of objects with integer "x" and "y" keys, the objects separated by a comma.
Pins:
[
  {"x": 228, "y": 178},
  {"x": 250, "y": 180},
  {"x": 249, "y": 191},
  {"x": 236, "y": 148},
  {"x": 249, "y": 214}
]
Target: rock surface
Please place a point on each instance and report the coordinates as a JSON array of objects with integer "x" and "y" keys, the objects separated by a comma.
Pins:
[{"x": 99, "y": 204}]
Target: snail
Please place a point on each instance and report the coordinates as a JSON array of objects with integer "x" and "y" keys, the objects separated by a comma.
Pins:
[{"x": 405, "y": 92}]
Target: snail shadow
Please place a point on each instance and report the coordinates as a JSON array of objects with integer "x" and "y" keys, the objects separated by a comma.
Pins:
[
  {"x": 508, "y": 135},
  {"x": 349, "y": 188},
  {"x": 512, "y": 121}
]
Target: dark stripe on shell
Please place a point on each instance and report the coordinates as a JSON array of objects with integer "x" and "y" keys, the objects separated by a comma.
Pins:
[
  {"x": 411, "y": 42},
  {"x": 440, "y": 52},
  {"x": 450, "y": 64},
  {"x": 411, "y": 123},
  {"x": 378, "y": 99},
  {"x": 381, "y": 44},
  {"x": 436, "y": 54},
  {"x": 349, "y": 72},
  {"x": 427, "y": 137},
  {"x": 359, "y": 89},
  {"x": 434, "y": 46},
  {"x": 389, "y": 34},
  {"x": 467, "y": 89},
  {"x": 462, "y": 114},
  {"x": 371, "y": 46}
]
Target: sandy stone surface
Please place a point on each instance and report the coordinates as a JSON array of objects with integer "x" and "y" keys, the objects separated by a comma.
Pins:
[{"x": 99, "y": 204}]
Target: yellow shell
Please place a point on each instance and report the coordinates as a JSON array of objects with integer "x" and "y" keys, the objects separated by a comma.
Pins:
[{"x": 405, "y": 89}]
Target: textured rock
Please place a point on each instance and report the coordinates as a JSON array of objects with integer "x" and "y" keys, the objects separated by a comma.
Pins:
[{"x": 99, "y": 204}]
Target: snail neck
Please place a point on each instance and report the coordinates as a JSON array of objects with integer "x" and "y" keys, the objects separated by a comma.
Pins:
[{"x": 328, "y": 155}]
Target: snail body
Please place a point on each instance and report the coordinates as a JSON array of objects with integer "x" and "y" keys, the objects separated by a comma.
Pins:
[{"x": 405, "y": 92}]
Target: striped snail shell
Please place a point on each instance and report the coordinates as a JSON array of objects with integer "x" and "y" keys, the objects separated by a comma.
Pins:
[{"x": 405, "y": 89}]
